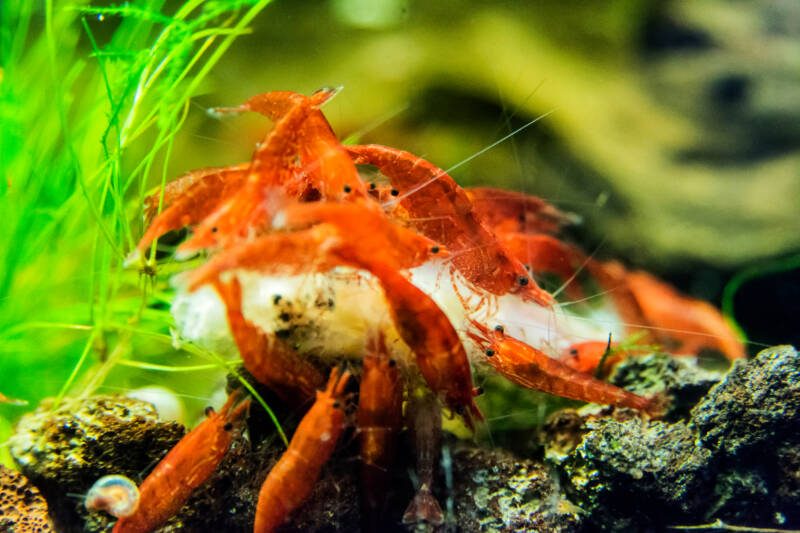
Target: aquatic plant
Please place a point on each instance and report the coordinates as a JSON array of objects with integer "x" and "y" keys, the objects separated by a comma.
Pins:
[{"x": 91, "y": 99}]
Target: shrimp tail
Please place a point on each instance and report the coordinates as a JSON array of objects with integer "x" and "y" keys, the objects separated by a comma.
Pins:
[
  {"x": 425, "y": 424},
  {"x": 423, "y": 509}
]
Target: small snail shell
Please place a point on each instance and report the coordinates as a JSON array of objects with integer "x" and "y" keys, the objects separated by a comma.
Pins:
[
  {"x": 168, "y": 405},
  {"x": 117, "y": 495}
]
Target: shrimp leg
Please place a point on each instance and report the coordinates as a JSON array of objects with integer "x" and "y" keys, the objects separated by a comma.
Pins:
[
  {"x": 186, "y": 467},
  {"x": 290, "y": 481}
]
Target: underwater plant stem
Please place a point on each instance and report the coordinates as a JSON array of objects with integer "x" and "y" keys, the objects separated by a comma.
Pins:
[
  {"x": 219, "y": 362},
  {"x": 81, "y": 360},
  {"x": 722, "y": 526},
  {"x": 62, "y": 115},
  {"x": 165, "y": 368},
  {"x": 750, "y": 273}
]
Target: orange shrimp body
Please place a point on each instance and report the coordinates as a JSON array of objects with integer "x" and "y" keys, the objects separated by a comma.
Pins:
[
  {"x": 191, "y": 198},
  {"x": 380, "y": 418},
  {"x": 300, "y": 155},
  {"x": 430, "y": 335},
  {"x": 443, "y": 212},
  {"x": 324, "y": 162},
  {"x": 290, "y": 481},
  {"x": 545, "y": 253},
  {"x": 696, "y": 324},
  {"x": 288, "y": 253},
  {"x": 531, "y": 368},
  {"x": 185, "y": 467},
  {"x": 586, "y": 356},
  {"x": 369, "y": 231}
]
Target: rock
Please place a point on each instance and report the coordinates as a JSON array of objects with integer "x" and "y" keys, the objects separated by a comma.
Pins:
[
  {"x": 735, "y": 459},
  {"x": 64, "y": 451},
  {"x": 495, "y": 491},
  {"x": 632, "y": 473},
  {"x": 757, "y": 403},
  {"x": 22, "y": 507},
  {"x": 749, "y": 421},
  {"x": 682, "y": 378}
]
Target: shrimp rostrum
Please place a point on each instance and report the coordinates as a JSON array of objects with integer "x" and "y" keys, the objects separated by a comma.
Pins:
[{"x": 411, "y": 284}]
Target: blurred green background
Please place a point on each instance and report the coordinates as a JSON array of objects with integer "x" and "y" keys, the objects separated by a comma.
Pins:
[{"x": 671, "y": 127}]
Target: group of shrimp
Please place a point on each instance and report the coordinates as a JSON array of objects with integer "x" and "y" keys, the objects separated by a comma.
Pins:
[{"x": 416, "y": 277}]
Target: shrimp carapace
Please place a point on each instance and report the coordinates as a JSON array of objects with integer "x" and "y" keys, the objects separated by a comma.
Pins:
[
  {"x": 433, "y": 204},
  {"x": 516, "y": 212}
]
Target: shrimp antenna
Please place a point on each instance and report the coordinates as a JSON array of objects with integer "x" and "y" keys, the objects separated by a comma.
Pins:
[{"x": 480, "y": 152}]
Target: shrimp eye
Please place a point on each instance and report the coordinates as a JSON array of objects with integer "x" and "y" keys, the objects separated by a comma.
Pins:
[
  {"x": 209, "y": 411},
  {"x": 276, "y": 299},
  {"x": 434, "y": 249},
  {"x": 347, "y": 188},
  {"x": 214, "y": 229},
  {"x": 489, "y": 353},
  {"x": 460, "y": 409},
  {"x": 499, "y": 328},
  {"x": 478, "y": 391},
  {"x": 336, "y": 405},
  {"x": 394, "y": 192},
  {"x": 573, "y": 351},
  {"x": 228, "y": 426},
  {"x": 523, "y": 280},
  {"x": 372, "y": 186},
  {"x": 392, "y": 362}
]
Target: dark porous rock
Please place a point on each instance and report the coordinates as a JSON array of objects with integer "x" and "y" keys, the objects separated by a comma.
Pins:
[
  {"x": 758, "y": 404},
  {"x": 22, "y": 507},
  {"x": 750, "y": 421},
  {"x": 63, "y": 451},
  {"x": 631, "y": 473},
  {"x": 788, "y": 489},
  {"x": 494, "y": 491},
  {"x": 682, "y": 379},
  {"x": 735, "y": 459}
]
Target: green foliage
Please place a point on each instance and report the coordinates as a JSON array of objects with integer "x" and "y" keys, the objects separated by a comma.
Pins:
[{"x": 91, "y": 100}]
